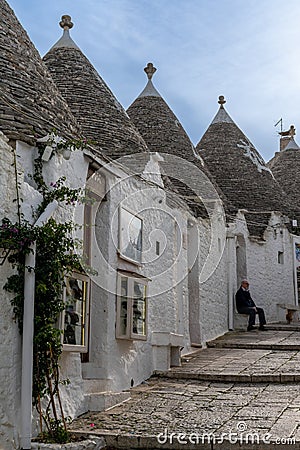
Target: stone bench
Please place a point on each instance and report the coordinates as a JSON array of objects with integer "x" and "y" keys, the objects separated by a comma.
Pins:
[
  {"x": 291, "y": 311},
  {"x": 240, "y": 321}
]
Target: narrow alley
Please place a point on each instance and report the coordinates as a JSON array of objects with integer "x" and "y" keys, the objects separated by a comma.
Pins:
[{"x": 241, "y": 392}]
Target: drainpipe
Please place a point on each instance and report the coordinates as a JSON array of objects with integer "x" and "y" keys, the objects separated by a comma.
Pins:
[
  {"x": 27, "y": 341},
  {"x": 230, "y": 252}
]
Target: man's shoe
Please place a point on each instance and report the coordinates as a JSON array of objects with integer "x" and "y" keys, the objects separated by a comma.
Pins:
[
  {"x": 250, "y": 328},
  {"x": 262, "y": 328}
]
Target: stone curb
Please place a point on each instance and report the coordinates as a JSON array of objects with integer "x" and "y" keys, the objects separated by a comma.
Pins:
[
  {"x": 93, "y": 443},
  {"x": 283, "y": 327},
  {"x": 175, "y": 442}
]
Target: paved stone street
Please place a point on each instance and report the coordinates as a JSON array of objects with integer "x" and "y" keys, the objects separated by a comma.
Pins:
[{"x": 241, "y": 392}]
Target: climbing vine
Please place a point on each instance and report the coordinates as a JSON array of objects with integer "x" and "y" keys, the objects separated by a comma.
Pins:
[{"x": 56, "y": 257}]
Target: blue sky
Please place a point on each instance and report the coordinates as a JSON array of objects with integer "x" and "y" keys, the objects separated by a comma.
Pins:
[{"x": 246, "y": 50}]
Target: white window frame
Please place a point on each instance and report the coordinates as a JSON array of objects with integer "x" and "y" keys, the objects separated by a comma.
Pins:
[
  {"x": 122, "y": 230},
  {"x": 82, "y": 348},
  {"x": 131, "y": 301}
]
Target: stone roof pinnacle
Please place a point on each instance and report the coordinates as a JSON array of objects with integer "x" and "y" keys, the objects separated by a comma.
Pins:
[
  {"x": 149, "y": 90},
  {"x": 66, "y": 40},
  {"x": 150, "y": 70},
  {"x": 66, "y": 22},
  {"x": 222, "y": 115},
  {"x": 221, "y": 101}
]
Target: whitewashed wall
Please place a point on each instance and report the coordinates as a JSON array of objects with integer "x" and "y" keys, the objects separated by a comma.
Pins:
[
  {"x": 213, "y": 291},
  {"x": 10, "y": 348},
  {"x": 114, "y": 363},
  {"x": 75, "y": 171},
  {"x": 177, "y": 292},
  {"x": 270, "y": 282}
]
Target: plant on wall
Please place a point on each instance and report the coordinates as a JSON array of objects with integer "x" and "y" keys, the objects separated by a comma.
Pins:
[{"x": 55, "y": 258}]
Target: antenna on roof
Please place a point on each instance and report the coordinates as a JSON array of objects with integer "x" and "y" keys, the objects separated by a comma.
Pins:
[{"x": 281, "y": 124}]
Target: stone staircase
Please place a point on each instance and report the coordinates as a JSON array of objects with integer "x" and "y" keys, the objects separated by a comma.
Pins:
[{"x": 271, "y": 356}]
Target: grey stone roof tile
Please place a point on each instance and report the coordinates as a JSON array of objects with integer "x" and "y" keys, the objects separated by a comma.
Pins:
[
  {"x": 30, "y": 103},
  {"x": 239, "y": 169},
  {"x": 102, "y": 118},
  {"x": 257, "y": 223},
  {"x": 163, "y": 133},
  {"x": 285, "y": 166}
]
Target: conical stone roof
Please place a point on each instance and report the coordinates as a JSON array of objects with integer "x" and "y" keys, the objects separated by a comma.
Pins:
[
  {"x": 102, "y": 118},
  {"x": 285, "y": 166},
  {"x": 30, "y": 103},
  {"x": 157, "y": 123},
  {"x": 163, "y": 133},
  {"x": 239, "y": 169}
]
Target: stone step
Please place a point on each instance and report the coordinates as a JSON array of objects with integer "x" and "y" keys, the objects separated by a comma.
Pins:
[
  {"x": 281, "y": 340},
  {"x": 283, "y": 326},
  {"x": 258, "y": 346},
  {"x": 238, "y": 365},
  {"x": 241, "y": 325},
  {"x": 283, "y": 378}
]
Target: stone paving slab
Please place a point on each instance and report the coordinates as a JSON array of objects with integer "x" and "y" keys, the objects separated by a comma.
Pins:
[
  {"x": 284, "y": 326},
  {"x": 163, "y": 413}
]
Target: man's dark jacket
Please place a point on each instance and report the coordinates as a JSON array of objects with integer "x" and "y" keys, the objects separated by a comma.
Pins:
[{"x": 243, "y": 300}]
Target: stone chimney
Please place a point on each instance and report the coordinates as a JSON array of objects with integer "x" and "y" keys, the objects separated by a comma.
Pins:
[{"x": 286, "y": 137}]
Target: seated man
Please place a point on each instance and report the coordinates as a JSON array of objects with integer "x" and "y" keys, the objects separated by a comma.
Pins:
[{"x": 245, "y": 305}]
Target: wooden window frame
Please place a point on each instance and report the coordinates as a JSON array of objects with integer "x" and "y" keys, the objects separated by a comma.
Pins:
[
  {"x": 131, "y": 301},
  {"x": 82, "y": 348},
  {"x": 121, "y": 253}
]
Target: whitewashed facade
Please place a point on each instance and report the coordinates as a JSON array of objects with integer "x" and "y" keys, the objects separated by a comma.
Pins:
[{"x": 187, "y": 267}]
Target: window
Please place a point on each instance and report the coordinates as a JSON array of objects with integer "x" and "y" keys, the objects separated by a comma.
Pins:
[
  {"x": 157, "y": 248},
  {"x": 130, "y": 236},
  {"x": 131, "y": 308},
  {"x": 280, "y": 258},
  {"x": 75, "y": 317}
]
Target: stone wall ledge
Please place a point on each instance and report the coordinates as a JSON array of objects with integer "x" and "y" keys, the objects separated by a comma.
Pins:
[{"x": 93, "y": 443}]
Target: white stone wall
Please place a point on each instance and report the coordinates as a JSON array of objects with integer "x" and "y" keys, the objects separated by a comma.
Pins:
[
  {"x": 208, "y": 281},
  {"x": 9, "y": 334},
  {"x": 10, "y": 368},
  {"x": 213, "y": 290},
  {"x": 186, "y": 289},
  {"x": 270, "y": 282},
  {"x": 75, "y": 171},
  {"x": 117, "y": 363},
  {"x": 10, "y": 349}
]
